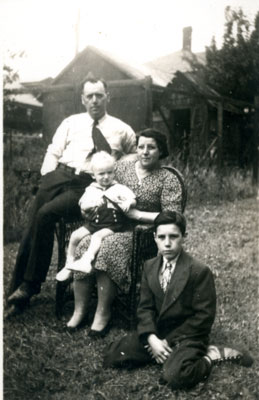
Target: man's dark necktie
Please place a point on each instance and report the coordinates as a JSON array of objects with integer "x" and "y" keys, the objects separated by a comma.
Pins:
[{"x": 100, "y": 143}]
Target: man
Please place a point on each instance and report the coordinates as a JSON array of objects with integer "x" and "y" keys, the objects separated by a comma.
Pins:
[
  {"x": 66, "y": 174},
  {"x": 175, "y": 314}
]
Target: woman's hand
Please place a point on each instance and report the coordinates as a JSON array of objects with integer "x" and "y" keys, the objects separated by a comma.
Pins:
[
  {"x": 142, "y": 216},
  {"x": 158, "y": 349},
  {"x": 133, "y": 213}
]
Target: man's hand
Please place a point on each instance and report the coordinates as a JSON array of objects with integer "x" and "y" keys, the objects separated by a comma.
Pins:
[{"x": 158, "y": 349}]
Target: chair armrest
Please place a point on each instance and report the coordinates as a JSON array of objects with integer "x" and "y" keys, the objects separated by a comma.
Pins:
[{"x": 143, "y": 227}]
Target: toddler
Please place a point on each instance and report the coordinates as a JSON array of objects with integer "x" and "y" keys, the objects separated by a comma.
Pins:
[{"x": 103, "y": 204}]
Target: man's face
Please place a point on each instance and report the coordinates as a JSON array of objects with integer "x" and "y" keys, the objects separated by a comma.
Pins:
[
  {"x": 94, "y": 98},
  {"x": 169, "y": 240}
]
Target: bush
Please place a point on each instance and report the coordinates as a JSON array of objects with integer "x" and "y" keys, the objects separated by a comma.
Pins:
[
  {"x": 18, "y": 197},
  {"x": 206, "y": 183},
  {"x": 209, "y": 185},
  {"x": 23, "y": 157}
]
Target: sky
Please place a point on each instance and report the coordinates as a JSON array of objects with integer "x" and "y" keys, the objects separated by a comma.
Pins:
[{"x": 135, "y": 30}]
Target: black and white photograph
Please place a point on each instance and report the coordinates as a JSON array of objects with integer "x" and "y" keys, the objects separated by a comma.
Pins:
[{"x": 130, "y": 200}]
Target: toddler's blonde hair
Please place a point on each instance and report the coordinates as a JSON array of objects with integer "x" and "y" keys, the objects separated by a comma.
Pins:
[{"x": 101, "y": 157}]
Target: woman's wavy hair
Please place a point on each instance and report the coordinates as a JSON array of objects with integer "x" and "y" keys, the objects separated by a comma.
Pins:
[{"x": 159, "y": 138}]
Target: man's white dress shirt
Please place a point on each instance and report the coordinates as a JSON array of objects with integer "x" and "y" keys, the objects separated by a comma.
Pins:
[{"x": 72, "y": 144}]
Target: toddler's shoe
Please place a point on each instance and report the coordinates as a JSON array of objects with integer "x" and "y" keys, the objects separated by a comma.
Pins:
[
  {"x": 64, "y": 275},
  {"x": 83, "y": 265}
]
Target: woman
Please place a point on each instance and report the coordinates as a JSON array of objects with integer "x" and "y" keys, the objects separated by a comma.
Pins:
[{"x": 156, "y": 190}]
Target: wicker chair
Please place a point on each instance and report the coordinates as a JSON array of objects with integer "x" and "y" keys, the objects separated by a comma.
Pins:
[{"x": 144, "y": 248}]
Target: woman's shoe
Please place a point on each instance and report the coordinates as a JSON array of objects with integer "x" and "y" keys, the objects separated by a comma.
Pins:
[
  {"x": 100, "y": 334},
  {"x": 82, "y": 324}
]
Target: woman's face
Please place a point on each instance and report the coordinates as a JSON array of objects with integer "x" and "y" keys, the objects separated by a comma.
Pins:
[{"x": 148, "y": 152}]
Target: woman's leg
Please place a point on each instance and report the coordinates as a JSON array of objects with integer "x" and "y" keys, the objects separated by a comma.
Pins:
[
  {"x": 106, "y": 291},
  {"x": 82, "y": 294}
]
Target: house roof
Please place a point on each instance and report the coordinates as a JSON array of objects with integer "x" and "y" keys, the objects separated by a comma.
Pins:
[
  {"x": 33, "y": 84},
  {"x": 196, "y": 81},
  {"x": 16, "y": 94},
  {"x": 132, "y": 70},
  {"x": 26, "y": 99},
  {"x": 162, "y": 70},
  {"x": 166, "y": 67}
]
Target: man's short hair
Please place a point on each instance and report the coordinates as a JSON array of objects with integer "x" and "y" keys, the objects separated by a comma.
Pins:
[
  {"x": 171, "y": 217},
  {"x": 90, "y": 77}
]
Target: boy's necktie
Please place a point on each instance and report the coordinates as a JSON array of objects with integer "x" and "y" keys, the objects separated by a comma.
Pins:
[
  {"x": 100, "y": 143},
  {"x": 166, "y": 275}
]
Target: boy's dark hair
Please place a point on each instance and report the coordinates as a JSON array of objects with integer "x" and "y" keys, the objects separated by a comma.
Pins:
[{"x": 171, "y": 217}]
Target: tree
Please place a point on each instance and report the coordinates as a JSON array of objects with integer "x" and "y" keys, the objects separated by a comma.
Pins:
[
  {"x": 11, "y": 81},
  {"x": 233, "y": 70}
]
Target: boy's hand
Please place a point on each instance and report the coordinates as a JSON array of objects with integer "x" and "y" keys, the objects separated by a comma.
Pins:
[
  {"x": 125, "y": 205},
  {"x": 99, "y": 202},
  {"x": 158, "y": 349}
]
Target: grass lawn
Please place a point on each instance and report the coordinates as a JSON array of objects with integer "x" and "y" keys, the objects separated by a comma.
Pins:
[{"x": 42, "y": 361}]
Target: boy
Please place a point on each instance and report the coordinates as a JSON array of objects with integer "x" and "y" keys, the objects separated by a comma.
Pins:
[
  {"x": 175, "y": 314},
  {"x": 103, "y": 204}
]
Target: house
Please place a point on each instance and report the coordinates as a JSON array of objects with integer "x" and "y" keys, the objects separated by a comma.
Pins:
[
  {"x": 22, "y": 111},
  {"x": 200, "y": 123},
  {"x": 167, "y": 93}
]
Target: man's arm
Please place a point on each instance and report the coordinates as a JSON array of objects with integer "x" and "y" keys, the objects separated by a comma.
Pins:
[
  {"x": 129, "y": 142},
  {"x": 204, "y": 306},
  {"x": 56, "y": 148}
]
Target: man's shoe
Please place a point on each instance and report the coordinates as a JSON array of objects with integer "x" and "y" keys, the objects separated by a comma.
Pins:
[
  {"x": 24, "y": 292},
  {"x": 15, "y": 310},
  {"x": 222, "y": 354}
]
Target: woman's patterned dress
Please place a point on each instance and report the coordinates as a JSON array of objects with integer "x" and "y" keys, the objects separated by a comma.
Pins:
[{"x": 157, "y": 192}]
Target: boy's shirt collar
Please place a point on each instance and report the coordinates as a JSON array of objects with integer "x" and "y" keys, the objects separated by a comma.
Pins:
[
  {"x": 96, "y": 185},
  {"x": 172, "y": 262}
]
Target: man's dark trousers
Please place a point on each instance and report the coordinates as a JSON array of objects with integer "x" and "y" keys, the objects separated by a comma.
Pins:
[{"x": 57, "y": 197}]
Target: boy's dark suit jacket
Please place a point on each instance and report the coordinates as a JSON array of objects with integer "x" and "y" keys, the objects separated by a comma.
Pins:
[{"x": 187, "y": 309}]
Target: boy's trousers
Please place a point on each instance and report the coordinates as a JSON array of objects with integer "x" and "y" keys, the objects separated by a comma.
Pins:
[{"x": 184, "y": 368}]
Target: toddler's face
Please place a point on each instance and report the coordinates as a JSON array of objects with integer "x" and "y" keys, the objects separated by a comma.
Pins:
[{"x": 104, "y": 174}]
